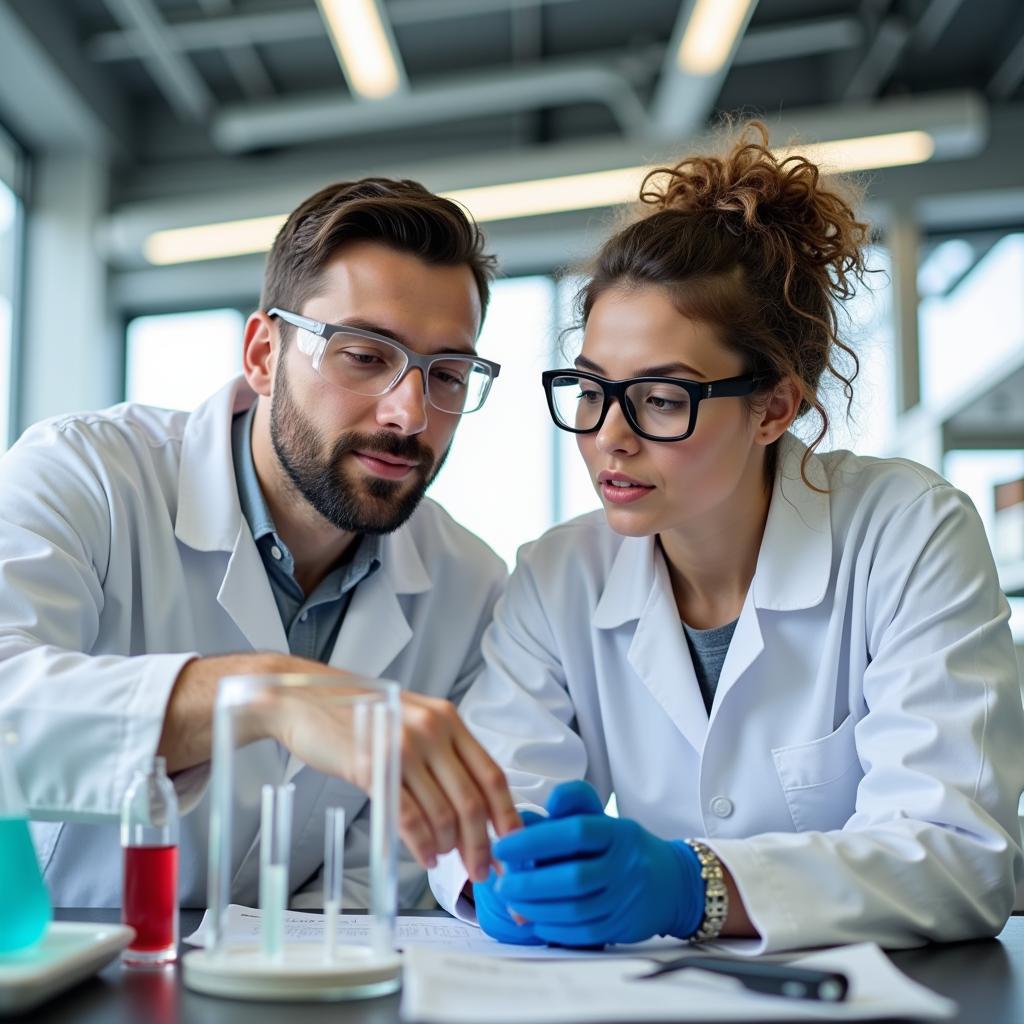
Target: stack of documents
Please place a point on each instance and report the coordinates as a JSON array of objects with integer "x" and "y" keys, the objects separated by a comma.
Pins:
[{"x": 453, "y": 988}]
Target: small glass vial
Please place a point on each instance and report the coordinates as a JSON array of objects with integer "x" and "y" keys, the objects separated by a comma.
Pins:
[{"x": 149, "y": 841}]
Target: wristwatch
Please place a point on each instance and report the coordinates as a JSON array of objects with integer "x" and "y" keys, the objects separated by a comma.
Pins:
[{"x": 716, "y": 895}]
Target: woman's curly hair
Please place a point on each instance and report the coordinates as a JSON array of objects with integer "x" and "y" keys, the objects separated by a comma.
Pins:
[{"x": 759, "y": 245}]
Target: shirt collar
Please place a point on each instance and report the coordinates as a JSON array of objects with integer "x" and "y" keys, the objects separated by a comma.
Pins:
[
  {"x": 250, "y": 494},
  {"x": 366, "y": 557}
]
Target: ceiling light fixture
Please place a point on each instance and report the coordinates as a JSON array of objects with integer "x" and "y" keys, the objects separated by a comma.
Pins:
[
  {"x": 711, "y": 33},
  {"x": 587, "y": 191},
  {"x": 895, "y": 149},
  {"x": 364, "y": 46},
  {"x": 212, "y": 241}
]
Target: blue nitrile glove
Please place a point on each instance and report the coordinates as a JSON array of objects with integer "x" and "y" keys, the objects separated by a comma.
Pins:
[
  {"x": 491, "y": 912},
  {"x": 582, "y": 878}
]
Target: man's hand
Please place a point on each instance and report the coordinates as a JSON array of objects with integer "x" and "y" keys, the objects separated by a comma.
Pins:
[
  {"x": 450, "y": 790},
  {"x": 450, "y": 786}
]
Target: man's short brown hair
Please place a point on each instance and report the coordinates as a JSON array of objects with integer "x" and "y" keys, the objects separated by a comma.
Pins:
[{"x": 400, "y": 214}]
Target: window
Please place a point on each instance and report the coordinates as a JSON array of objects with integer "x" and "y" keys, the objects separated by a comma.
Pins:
[
  {"x": 868, "y": 329},
  {"x": 971, "y": 313},
  {"x": 972, "y": 344},
  {"x": 976, "y": 472},
  {"x": 499, "y": 478},
  {"x": 177, "y": 360},
  {"x": 12, "y": 176},
  {"x": 9, "y": 218},
  {"x": 512, "y": 474}
]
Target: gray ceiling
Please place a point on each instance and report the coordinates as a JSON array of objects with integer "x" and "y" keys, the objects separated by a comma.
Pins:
[
  {"x": 183, "y": 112},
  {"x": 228, "y": 85}
]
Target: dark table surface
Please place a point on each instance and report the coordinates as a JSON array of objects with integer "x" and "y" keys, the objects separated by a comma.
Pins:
[{"x": 985, "y": 977}]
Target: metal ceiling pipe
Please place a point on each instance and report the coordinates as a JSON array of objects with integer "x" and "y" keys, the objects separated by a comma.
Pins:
[{"x": 286, "y": 121}]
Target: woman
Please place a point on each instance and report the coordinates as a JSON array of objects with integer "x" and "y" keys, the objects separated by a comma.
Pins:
[{"x": 794, "y": 670}]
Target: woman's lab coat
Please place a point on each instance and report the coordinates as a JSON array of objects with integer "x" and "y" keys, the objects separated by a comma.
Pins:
[
  {"x": 123, "y": 554},
  {"x": 860, "y": 770}
]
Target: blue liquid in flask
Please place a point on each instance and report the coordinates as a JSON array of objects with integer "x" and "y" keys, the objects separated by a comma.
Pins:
[{"x": 25, "y": 907}]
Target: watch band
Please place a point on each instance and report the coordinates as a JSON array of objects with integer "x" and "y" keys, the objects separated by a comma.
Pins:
[{"x": 716, "y": 895}]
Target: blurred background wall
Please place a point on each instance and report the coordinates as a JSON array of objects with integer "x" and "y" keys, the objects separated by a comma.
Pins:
[{"x": 149, "y": 148}]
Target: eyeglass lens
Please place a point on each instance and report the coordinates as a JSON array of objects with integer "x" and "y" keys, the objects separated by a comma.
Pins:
[
  {"x": 660, "y": 409},
  {"x": 367, "y": 367}
]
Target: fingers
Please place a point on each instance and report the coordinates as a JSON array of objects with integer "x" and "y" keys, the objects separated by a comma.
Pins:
[
  {"x": 435, "y": 807},
  {"x": 589, "y": 909},
  {"x": 458, "y": 787},
  {"x": 576, "y": 797},
  {"x": 494, "y": 919},
  {"x": 501, "y": 810},
  {"x": 565, "y": 882},
  {"x": 415, "y": 830},
  {"x": 582, "y": 835},
  {"x": 470, "y": 808}
]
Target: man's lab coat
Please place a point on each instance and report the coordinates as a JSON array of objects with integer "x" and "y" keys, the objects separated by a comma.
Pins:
[
  {"x": 860, "y": 770},
  {"x": 123, "y": 554}
]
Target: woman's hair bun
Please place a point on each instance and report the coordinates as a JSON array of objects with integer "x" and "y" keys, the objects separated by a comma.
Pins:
[{"x": 781, "y": 200}]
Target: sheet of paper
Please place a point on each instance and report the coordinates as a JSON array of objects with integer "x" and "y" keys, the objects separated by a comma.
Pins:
[
  {"x": 439, "y": 987},
  {"x": 445, "y": 933}
]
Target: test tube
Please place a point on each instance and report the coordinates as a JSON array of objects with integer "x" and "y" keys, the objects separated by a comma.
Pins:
[
  {"x": 334, "y": 873},
  {"x": 386, "y": 743},
  {"x": 275, "y": 843}
]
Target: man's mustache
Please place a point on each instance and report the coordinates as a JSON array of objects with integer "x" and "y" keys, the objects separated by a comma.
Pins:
[{"x": 387, "y": 443}]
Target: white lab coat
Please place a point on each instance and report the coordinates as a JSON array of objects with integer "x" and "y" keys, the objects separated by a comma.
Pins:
[
  {"x": 862, "y": 765},
  {"x": 124, "y": 553}
]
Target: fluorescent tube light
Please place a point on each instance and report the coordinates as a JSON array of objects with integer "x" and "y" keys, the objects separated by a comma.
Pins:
[
  {"x": 551, "y": 195},
  {"x": 212, "y": 241},
  {"x": 711, "y": 34},
  {"x": 895, "y": 149},
  {"x": 364, "y": 46},
  {"x": 587, "y": 191}
]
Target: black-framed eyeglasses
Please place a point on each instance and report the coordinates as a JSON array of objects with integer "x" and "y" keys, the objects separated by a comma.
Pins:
[
  {"x": 370, "y": 364},
  {"x": 656, "y": 408}
]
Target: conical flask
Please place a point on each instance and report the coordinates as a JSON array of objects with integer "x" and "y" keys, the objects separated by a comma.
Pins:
[{"x": 25, "y": 909}]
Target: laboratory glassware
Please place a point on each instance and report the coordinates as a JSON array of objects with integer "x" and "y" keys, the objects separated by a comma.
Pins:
[
  {"x": 25, "y": 909},
  {"x": 149, "y": 841},
  {"x": 365, "y": 717}
]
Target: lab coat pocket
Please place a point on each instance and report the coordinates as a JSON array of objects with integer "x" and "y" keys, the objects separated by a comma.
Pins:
[{"x": 820, "y": 778}]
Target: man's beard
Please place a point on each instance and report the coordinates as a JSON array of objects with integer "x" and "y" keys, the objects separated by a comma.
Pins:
[{"x": 368, "y": 505}]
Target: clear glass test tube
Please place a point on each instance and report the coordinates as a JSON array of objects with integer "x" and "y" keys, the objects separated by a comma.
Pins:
[
  {"x": 275, "y": 845},
  {"x": 386, "y": 744},
  {"x": 334, "y": 874}
]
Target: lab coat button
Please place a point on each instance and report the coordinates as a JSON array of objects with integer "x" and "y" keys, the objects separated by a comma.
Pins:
[{"x": 721, "y": 807}]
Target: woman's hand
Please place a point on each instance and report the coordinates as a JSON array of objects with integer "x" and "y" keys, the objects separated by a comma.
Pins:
[{"x": 582, "y": 878}]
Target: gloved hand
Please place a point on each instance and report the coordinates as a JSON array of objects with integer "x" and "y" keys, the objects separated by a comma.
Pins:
[
  {"x": 582, "y": 878},
  {"x": 491, "y": 912}
]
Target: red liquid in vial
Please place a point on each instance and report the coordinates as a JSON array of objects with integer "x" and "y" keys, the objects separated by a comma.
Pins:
[{"x": 151, "y": 895}]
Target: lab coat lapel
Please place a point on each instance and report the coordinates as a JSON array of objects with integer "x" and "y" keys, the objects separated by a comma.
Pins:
[
  {"x": 209, "y": 517},
  {"x": 375, "y": 630},
  {"x": 638, "y": 589},
  {"x": 246, "y": 596},
  {"x": 745, "y": 648},
  {"x": 794, "y": 564}
]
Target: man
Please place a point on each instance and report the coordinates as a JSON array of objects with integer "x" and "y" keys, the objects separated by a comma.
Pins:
[{"x": 147, "y": 554}]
